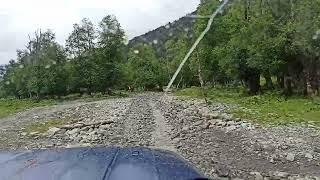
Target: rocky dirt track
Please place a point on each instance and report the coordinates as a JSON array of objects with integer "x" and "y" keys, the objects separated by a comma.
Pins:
[{"x": 221, "y": 146}]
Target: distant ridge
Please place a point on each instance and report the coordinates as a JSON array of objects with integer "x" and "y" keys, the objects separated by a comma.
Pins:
[{"x": 173, "y": 30}]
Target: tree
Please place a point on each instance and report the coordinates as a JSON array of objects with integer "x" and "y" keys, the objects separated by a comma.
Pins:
[
  {"x": 37, "y": 70},
  {"x": 144, "y": 69},
  {"x": 307, "y": 41},
  {"x": 175, "y": 52},
  {"x": 249, "y": 40},
  {"x": 111, "y": 49},
  {"x": 81, "y": 47}
]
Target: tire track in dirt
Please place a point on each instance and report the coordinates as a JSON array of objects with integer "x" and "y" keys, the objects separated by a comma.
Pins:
[
  {"x": 138, "y": 123},
  {"x": 160, "y": 135}
]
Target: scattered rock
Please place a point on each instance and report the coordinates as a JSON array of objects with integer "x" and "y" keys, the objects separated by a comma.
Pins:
[
  {"x": 271, "y": 160},
  {"x": 106, "y": 126},
  {"x": 231, "y": 128},
  {"x": 198, "y": 123},
  {"x": 62, "y": 131},
  {"x": 290, "y": 157},
  {"x": 277, "y": 175},
  {"x": 284, "y": 147},
  {"x": 222, "y": 178},
  {"x": 92, "y": 133},
  {"x": 68, "y": 126},
  {"x": 309, "y": 155},
  {"x": 73, "y": 131},
  {"x": 50, "y": 145},
  {"x": 231, "y": 123},
  {"x": 90, "y": 130},
  {"x": 213, "y": 115},
  {"x": 205, "y": 126},
  {"x": 78, "y": 138},
  {"x": 221, "y": 123},
  {"x": 35, "y": 133},
  {"x": 226, "y": 117},
  {"x": 316, "y": 178},
  {"x": 222, "y": 172},
  {"x": 78, "y": 145},
  {"x": 186, "y": 128},
  {"x": 212, "y": 122},
  {"x": 316, "y": 149},
  {"x": 52, "y": 131},
  {"x": 24, "y": 134},
  {"x": 257, "y": 175},
  {"x": 237, "y": 119}
]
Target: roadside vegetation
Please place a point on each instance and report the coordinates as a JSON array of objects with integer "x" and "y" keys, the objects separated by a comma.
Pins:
[
  {"x": 268, "y": 48},
  {"x": 11, "y": 106},
  {"x": 267, "y": 109}
]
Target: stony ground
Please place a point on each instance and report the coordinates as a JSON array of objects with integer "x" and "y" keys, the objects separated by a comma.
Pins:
[{"x": 221, "y": 146}]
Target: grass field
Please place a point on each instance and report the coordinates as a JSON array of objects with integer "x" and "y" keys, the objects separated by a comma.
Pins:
[
  {"x": 11, "y": 106},
  {"x": 267, "y": 109}
]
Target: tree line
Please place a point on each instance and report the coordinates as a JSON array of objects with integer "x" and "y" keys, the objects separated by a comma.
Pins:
[
  {"x": 259, "y": 45},
  {"x": 276, "y": 41},
  {"x": 90, "y": 62}
]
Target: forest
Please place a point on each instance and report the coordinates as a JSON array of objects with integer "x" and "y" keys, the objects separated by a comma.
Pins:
[{"x": 255, "y": 45}]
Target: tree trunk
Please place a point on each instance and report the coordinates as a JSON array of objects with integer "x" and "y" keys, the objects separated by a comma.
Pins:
[
  {"x": 269, "y": 83},
  {"x": 312, "y": 84},
  {"x": 179, "y": 82},
  {"x": 280, "y": 81},
  {"x": 253, "y": 84},
  {"x": 311, "y": 75},
  {"x": 130, "y": 88},
  {"x": 287, "y": 85},
  {"x": 199, "y": 74},
  {"x": 109, "y": 91},
  {"x": 305, "y": 85},
  {"x": 243, "y": 83}
]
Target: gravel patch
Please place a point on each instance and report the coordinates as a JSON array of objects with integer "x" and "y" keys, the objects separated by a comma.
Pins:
[{"x": 220, "y": 145}]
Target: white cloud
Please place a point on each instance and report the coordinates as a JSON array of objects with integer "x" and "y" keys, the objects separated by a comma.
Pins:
[{"x": 18, "y": 18}]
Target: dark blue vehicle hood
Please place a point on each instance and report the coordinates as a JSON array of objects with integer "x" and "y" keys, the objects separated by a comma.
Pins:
[{"x": 96, "y": 164}]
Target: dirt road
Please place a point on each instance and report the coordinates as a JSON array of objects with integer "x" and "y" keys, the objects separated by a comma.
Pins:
[{"x": 221, "y": 146}]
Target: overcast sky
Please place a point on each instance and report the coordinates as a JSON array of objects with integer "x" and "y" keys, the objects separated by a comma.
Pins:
[{"x": 18, "y": 18}]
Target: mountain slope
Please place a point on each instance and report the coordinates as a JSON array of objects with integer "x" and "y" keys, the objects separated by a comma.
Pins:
[{"x": 158, "y": 37}]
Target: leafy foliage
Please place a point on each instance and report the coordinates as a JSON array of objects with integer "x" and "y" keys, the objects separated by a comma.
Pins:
[
  {"x": 143, "y": 69},
  {"x": 249, "y": 40},
  {"x": 88, "y": 64},
  {"x": 10, "y": 106},
  {"x": 256, "y": 38}
]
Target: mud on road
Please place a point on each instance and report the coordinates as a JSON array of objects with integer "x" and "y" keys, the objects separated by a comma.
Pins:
[{"x": 221, "y": 146}]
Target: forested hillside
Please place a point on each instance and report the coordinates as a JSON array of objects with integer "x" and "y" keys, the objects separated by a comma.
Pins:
[
  {"x": 171, "y": 31},
  {"x": 277, "y": 42}
]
